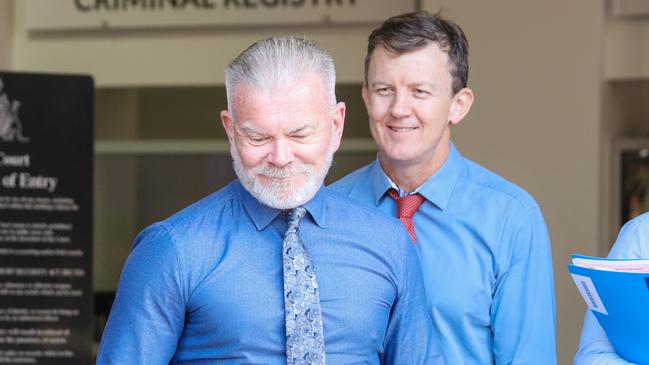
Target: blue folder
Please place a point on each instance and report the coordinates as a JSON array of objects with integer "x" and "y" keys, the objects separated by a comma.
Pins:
[{"x": 625, "y": 297}]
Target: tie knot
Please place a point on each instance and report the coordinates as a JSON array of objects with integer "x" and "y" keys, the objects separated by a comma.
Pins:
[
  {"x": 294, "y": 217},
  {"x": 407, "y": 205}
]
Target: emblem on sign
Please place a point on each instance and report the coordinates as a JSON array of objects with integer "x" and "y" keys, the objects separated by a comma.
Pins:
[{"x": 10, "y": 127}]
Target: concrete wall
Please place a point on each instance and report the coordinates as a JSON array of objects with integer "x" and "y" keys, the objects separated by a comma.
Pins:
[{"x": 535, "y": 67}]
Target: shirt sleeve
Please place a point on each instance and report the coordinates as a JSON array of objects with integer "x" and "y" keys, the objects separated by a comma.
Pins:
[
  {"x": 147, "y": 316},
  {"x": 410, "y": 338},
  {"x": 523, "y": 307},
  {"x": 594, "y": 346},
  {"x": 633, "y": 239}
]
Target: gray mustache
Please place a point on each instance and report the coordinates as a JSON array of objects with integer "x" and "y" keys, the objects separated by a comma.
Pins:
[{"x": 281, "y": 173}]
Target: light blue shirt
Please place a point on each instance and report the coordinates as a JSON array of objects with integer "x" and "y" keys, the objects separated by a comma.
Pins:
[
  {"x": 486, "y": 260},
  {"x": 594, "y": 346},
  {"x": 205, "y": 286}
]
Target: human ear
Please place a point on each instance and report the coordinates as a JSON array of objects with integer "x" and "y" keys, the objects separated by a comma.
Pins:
[
  {"x": 228, "y": 124},
  {"x": 365, "y": 95},
  {"x": 460, "y": 105},
  {"x": 338, "y": 124}
]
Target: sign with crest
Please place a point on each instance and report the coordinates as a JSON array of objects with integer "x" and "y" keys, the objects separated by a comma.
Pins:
[{"x": 46, "y": 154}]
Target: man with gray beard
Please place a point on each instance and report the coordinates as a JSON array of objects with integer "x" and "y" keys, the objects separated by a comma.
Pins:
[{"x": 273, "y": 268}]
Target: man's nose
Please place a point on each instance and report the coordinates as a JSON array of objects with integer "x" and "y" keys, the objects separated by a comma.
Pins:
[
  {"x": 400, "y": 105},
  {"x": 281, "y": 153}
]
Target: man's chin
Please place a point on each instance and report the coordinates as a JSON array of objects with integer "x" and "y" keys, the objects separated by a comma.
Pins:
[
  {"x": 281, "y": 196},
  {"x": 282, "y": 193},
  {"x": 289, "y": 198}
]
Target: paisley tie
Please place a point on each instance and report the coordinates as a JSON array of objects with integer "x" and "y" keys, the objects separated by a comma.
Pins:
[{"x": 303, "y": 319}]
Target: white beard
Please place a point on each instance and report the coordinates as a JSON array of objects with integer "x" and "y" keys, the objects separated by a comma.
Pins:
[{"x": 281, "y": 195}]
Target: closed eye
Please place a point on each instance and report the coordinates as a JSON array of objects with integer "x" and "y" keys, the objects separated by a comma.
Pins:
[
  {"x": 255, "y": 140},
  {"x": 303, "y": 137},
  {"x": 421, "y": 93}
]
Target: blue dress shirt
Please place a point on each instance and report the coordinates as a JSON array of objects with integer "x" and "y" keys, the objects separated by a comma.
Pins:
[
  {"x": 486, "y": 260},
  {"x": 205, "y": 286},
  {"x": 594, "y": 346}
]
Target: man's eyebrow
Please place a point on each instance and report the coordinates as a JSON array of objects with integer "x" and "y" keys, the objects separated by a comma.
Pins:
[
  {"x": 412, "y": 84},
  {"x": 301, "y": 129},
  {"x": 246, "y": 127},
  {"x": 249, "y": 129},
  {"x": 379, "y": 83},
  {"x": 424, "y": 83}
]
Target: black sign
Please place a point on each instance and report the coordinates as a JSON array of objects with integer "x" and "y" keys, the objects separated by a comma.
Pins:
[{"x": 46, "y": 153}]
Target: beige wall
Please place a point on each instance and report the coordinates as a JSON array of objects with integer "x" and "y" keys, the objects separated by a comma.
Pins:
[
  {"x": 627, "y": 51},
  {"x": 537, "y": 79},
  {"x": 536, "y": 68},
  {"x": 170, "y": 57},
  {"x": 6, "y": 33}
]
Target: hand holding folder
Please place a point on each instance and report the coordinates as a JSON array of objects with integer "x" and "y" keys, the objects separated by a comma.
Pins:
[{"x": 617, "y": 292}]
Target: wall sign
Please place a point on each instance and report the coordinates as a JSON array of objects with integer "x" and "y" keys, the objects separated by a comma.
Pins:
[
  {"x": 58, "y": 15},
  {"x": 46, "y": 153}
]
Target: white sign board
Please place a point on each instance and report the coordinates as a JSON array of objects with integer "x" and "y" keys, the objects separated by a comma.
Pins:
[{"x": 65, "y": 15}]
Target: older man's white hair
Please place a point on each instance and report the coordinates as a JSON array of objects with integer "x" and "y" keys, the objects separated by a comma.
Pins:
[{"x": 280, "y": 61}]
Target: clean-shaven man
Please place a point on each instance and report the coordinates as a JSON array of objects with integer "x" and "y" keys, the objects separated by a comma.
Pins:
[{"x": 482, "y": 240}]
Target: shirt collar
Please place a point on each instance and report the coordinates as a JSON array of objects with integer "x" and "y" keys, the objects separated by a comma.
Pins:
[
  {"x": 437, "y": 189},
  {"x": 262, "y": 215},
  {"x": 380, "y": 182}
]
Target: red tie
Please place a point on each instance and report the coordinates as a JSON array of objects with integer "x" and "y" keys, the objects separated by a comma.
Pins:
[{"x": 407, "y": 206}]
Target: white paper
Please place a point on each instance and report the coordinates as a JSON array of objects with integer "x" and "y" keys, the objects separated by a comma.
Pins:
[
  {"x": 588, "y": 291},
  {"x": 623, "y": 265}
]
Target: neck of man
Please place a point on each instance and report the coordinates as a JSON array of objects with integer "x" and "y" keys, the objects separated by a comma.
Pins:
[{"x": 411, "y": 174}]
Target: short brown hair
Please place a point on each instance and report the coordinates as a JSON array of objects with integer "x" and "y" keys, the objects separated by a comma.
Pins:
[{"x": 412, "y": 31}]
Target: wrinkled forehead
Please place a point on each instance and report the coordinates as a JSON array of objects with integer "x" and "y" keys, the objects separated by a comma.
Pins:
[{"x": 307, "y": 94}]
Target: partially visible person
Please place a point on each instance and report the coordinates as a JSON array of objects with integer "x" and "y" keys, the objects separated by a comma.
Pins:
[
  {"x": 273, "y": 269},
  {"x": 594, "y": 346},
  {"x": 482, "y": 240}
]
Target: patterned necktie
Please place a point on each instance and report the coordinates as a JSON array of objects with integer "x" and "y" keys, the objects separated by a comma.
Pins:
[
  {"x": 407, "y": 206},
  {"x": 304, "y": 335}
]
